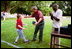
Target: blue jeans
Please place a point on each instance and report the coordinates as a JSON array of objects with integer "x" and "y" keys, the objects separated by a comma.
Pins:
[{"x": 20, "y": 35}]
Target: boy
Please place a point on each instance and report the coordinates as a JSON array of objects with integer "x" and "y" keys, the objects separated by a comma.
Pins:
[{"x": 19, "y": 26}]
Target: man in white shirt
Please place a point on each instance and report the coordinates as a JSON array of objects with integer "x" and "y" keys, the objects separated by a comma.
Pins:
[{"x": 56, "y": 16}]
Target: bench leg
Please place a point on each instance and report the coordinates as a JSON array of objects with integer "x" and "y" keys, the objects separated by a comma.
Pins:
[
  {"x": 51, "y": 42},
  {"x": 54, "y": 40}
]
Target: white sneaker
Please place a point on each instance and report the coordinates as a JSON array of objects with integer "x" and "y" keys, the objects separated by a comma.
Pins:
[
  {"x": 14, "y": 42},
  {"x": 26, "y": 41}
]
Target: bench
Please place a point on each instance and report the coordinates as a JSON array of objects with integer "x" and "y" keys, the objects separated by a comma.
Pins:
[{"x": 53, "y": 35}]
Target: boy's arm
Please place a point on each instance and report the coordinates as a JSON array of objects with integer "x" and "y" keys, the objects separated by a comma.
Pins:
[{"x": 21, "y": 27}]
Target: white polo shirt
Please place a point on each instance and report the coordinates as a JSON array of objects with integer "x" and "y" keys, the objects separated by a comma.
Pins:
[{"x": 57, "y": 14}]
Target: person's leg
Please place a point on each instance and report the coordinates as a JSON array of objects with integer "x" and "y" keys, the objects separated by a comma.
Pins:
[
  {"x": 57, "y": 39},
  {"x": 41, "y": 27},
  {"x": 53, "y": 37},
  {"x": 17, "y": 39},
  {"x": 4, "y": 18},
  {"x": 59, "y": 33},
  {"x": 35, "y": 32},
  {"x": 22, "y": 35}
]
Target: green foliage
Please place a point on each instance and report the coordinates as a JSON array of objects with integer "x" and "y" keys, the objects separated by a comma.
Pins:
[
  {"x": 65, "y": 6},
  {"x": 44, "y": 6}
]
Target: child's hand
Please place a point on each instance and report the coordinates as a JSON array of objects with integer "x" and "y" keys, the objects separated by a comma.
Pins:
[
  {"x": 24, "y": 28},
  {"x": 25, "y": 24}
]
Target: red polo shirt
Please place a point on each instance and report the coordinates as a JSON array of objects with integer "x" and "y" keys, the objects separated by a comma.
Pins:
[
  {"x": 38, "y": 14},
  {"x": 19, "y": 22}
]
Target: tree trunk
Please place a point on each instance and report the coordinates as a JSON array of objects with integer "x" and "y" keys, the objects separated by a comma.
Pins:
[{"x": 5, "y": 6}]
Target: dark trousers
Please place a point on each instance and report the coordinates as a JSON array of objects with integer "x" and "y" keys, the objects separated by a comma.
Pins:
[{"x": 39, "y": 28}]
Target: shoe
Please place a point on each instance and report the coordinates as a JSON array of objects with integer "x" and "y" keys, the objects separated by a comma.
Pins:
[
  {"x": 27, "y": 41},
  {"x": 33, "y": 40},
  {"x": 14, "y": 42},
  {"x": 40, "y": 41}
]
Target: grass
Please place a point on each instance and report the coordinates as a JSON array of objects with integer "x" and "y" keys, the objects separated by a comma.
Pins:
[
  {"x": 4, "y": 45},
  {"x": 8, "y": 33}
]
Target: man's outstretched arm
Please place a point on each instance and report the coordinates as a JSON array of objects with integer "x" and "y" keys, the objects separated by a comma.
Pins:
[{"x": 28, "y": 16}]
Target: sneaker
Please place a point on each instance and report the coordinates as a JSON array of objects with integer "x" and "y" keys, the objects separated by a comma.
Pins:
[
  {"x": 27, "y": 41},
  {"x": 14, "y": 42},
  {"x": 40, "y": 42},
  {"x": 33, "y": 40}
]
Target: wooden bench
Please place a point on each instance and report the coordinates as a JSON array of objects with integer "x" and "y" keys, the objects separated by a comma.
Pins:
[{"x": 53, "y": 35}]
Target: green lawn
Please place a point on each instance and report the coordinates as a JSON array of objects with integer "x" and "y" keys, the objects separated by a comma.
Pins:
[{"x": 8, "y": 33}]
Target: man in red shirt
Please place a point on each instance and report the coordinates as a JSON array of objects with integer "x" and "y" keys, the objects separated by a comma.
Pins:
[{"x": 39, "y": 23}]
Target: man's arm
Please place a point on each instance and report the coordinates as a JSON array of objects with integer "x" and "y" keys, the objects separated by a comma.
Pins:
[
  {"x": 51, "y": 16},
  {"x": 40, "y": 20},
  {"x": 28, "y": 17},
  {"x": 40, "y": 15},
  {"x": 54, "y": 17}
]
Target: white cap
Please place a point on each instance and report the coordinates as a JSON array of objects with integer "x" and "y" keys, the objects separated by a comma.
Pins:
[{"x": 33, "y": 7}]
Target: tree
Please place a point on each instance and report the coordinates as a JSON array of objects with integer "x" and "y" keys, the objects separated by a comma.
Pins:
[
  {"x": 44, "y": 6},
  {"x": 65, "y": 6},
  {"x": 13, "y": 6}
]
